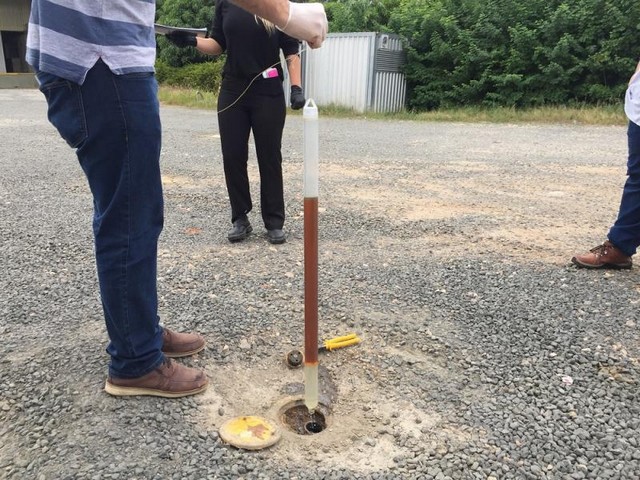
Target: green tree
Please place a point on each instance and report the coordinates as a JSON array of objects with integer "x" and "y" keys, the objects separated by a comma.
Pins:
[
  {"x": 360, "y": 15},
  {"x": 182, "y": 13},
  {"x": 514, "y": 53}
]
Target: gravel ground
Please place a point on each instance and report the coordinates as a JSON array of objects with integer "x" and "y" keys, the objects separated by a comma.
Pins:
[{"x": 445, "y": 247}]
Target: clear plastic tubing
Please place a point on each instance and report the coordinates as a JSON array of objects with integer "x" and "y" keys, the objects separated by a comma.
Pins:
[{"x": 310, "y": 149}]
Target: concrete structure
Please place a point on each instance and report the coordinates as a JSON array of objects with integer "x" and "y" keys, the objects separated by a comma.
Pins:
[
  {"x": 362, "y": 71},
  {"x": 14, "y": 71}
]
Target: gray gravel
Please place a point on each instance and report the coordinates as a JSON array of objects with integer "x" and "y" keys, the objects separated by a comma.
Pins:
[{"x": 446, "y": 247}]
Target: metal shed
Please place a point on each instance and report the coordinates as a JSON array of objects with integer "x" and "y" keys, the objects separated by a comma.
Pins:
[{"x": 362, "y": 71}]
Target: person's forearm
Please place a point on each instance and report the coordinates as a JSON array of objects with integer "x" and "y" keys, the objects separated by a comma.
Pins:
[
  {"x": 276, "y": 11},
  {"x": 294, "y": 68},
  {"x": 208, "y": 46},
  {"x": 304, "y": 21}
]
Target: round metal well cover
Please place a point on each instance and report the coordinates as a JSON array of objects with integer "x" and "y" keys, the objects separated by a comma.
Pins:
[{"x": 249, "y": 432}]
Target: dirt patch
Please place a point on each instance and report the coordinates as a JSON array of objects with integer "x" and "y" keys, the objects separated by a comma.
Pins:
[{"x": 364, "y": 429}]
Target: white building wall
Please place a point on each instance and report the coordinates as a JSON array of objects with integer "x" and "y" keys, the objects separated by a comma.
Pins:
[{"x": 14, "y": 15}]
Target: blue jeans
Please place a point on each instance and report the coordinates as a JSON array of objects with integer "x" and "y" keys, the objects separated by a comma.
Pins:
[
  {"x": 625, "y": 233},
  {"x": 113, "y": 122}
]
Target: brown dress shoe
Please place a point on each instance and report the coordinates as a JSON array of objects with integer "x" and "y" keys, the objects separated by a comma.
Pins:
[
  {"x": 176, "y": 344},
  {"x": 169, "y": 380},
  {"x": 603, "y": 256}
]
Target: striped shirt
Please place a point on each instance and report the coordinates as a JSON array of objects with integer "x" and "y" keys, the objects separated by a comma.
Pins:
[{"x": 67, "y": 37}]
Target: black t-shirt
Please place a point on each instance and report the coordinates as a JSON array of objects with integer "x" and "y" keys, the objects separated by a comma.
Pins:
[{"x": 250, "y": 47}]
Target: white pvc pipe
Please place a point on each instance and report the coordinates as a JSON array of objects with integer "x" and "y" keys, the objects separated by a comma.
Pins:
[{"x": 310, "y": 139}]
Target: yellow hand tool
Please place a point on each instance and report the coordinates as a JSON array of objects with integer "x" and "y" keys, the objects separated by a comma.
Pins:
[
  {"x": 339, "y": 342},
  {"x": 295, "y": 358}
]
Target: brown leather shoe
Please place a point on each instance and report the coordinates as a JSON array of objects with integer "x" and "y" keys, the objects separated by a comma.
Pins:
[
  {"x": 176, "y": 344},
  {"x": 169, "y": 380},
  {"x": 603, "y": 256}
]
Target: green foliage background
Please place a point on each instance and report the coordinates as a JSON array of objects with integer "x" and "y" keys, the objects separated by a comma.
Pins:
[
  {"x": 509, "y": 53},
  {"x": 205, "y": 76},
  {"x": 186, "y": 67},
  {"x": 515, "y": 53},
  {"x": 182, "y": 13}
]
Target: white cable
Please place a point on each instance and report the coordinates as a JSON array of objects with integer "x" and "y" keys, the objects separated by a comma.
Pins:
[{"x": 253, "y": 80}]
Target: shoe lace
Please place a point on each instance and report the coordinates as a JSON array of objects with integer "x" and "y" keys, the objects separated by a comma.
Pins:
[{"x": 600, "y": 249}]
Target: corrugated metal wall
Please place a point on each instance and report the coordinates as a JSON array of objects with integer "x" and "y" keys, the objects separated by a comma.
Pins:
[
  {"x": 356, "y": 70},
  {"x": 14, "y": 15},
  {"x": 390, "y": 88}
]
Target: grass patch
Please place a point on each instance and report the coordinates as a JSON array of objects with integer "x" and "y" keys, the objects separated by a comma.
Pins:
[
  {"x": 585, "y": 115},
  {"x": 187, "y": 97}
]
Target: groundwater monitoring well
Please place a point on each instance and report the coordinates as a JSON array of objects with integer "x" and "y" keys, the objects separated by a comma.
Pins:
[
  {"x": 295, "y": 417},
  {"x": 303, "y": 416}
]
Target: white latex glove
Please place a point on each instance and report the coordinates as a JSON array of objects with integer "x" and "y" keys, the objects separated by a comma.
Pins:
[{"x": 307, "y": 21}]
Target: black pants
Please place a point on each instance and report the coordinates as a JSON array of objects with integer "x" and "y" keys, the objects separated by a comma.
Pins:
[{"x": 264, "y": 115}]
